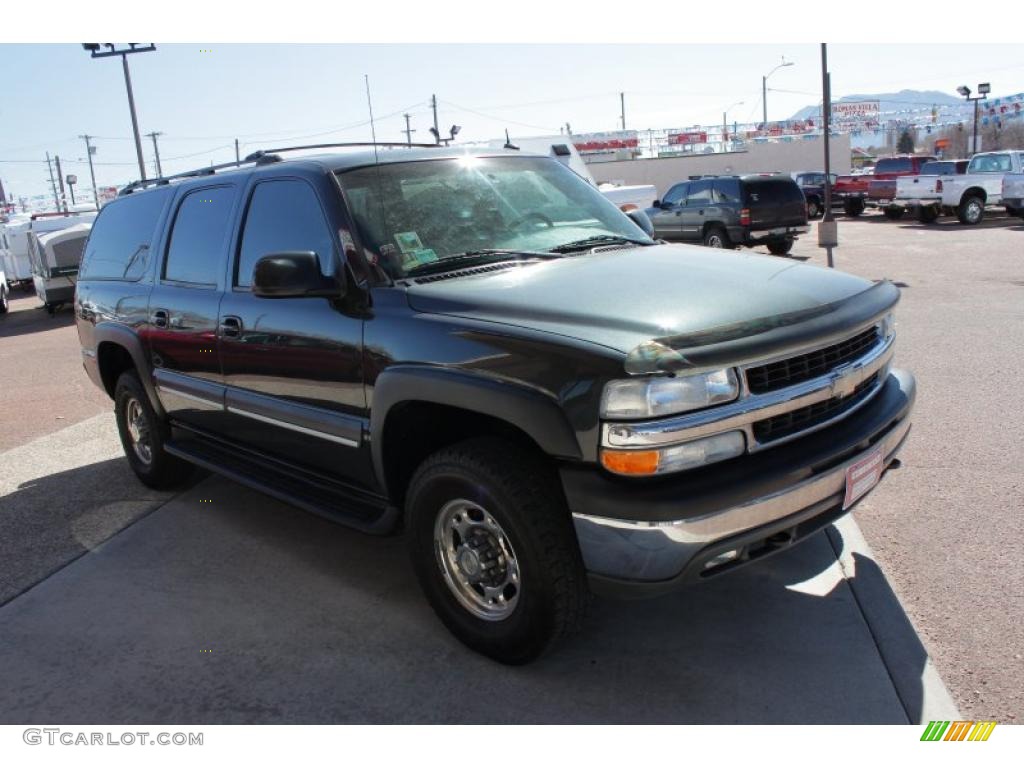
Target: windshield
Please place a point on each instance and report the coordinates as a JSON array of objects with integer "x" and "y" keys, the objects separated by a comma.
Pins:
[
  {"x": 410, "y": 214},
  {"x": 990, "y": 164}
]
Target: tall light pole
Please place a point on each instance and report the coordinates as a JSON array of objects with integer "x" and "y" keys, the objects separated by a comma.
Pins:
[
  {"x": 90, "y": 150},
  {"x": 764, "y": 89},
  {"x": 983, "y": 90},
  {"x": 97, "y": 52},
  {"x": 725, "y": 123}
]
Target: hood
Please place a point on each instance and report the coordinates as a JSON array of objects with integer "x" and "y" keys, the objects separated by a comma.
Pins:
[{"x": 621, "y": 298}]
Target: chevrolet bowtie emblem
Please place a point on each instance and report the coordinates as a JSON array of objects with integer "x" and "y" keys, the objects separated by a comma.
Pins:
[{"x": 843, "y": 383}]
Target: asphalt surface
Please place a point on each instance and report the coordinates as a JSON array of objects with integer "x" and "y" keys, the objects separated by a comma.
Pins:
[{"x": 945, "y": 529}]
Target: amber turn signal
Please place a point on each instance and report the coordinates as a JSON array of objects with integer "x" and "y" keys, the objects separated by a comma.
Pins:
[{"x": 630, "y": 462}]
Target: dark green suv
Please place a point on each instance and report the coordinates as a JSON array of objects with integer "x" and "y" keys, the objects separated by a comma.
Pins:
[{"x": 729, "y": 211}]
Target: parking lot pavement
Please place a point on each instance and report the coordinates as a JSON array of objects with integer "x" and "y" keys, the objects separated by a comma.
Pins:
[{"x": 225, "y": 606}]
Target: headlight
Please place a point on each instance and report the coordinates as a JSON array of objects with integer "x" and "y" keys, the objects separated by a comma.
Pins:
[
  {"x": 658, "y": 396},
  {"x": 675, "y": 458}
]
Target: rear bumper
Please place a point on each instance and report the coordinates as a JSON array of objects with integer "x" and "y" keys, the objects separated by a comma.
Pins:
[
  {"x": 748, "y": 236},
  {"x": 656, "y": 538}
]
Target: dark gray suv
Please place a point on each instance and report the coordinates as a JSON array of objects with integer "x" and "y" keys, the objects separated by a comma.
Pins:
[{"x": 729, "y": 211}]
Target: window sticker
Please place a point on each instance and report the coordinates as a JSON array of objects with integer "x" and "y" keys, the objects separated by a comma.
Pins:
[
  {"x": 408, "y": 242},
  {"x": 417, "y": 257}
]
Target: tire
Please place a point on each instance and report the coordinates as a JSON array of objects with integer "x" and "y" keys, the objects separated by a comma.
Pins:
[
  {"x": 501, "y": 496},
  {"x": 894, "y": 214},
  {"x": 971, "y": 210},
  {"x": 927, "y": 214},
  {"x": 4, "y": 303},
  {"x": 716, "y": 237},
  {"x": 144, "y": 444},
  {"x": 854, "y": 207},
  {"x": 1011, "y": 211},
  {"x": 813, "y": 208},
  {"x": 780, "y": 247}
]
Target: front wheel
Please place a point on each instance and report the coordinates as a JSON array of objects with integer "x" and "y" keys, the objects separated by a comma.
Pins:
[
  {"x": 813, "y": 208},
  {"x": 780, "y": 247},
  {"x": 4, "y": 304},
  {"x": 143, "y": 435},
  {"x": 716, "y": 237},
  {"x": 971, "y": 210},
  {"x": 493, "y": 547}
]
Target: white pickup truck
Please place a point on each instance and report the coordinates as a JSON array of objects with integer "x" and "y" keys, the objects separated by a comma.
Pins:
[
  {"x": 921, "y": 194},
  {"x": 967, "y": 196},
  {"x": 1013, "y": 193}
]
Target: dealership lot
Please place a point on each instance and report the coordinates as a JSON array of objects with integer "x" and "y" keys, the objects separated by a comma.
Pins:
[{"x": 221, "y": 605}]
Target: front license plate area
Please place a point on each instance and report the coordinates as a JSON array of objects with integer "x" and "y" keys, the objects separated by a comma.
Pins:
[{"x": 863, "y": 476}]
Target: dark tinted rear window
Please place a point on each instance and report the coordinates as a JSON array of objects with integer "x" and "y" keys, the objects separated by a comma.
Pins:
[
  {"x": 771, "y": 191},
  {"x": 938, "y": 169},
  {"x": 121, "y": 237},
  {"x": 196, "y": 252},
  {"x": 894, "y": 165}
]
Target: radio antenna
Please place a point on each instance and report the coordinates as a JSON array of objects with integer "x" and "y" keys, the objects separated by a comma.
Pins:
[
  {"x": 373, "y": 128},
  {"x": 376, "y": 157}
]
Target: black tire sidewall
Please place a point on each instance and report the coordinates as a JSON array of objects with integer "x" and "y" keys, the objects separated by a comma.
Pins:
[
  {"x": 527, "y": 631},
  {"x": 965, "y": 206},
  {"x": 723, "y": 238},
  {"x": 164, "y": 470},
  {"x": 3, "y": 300}
]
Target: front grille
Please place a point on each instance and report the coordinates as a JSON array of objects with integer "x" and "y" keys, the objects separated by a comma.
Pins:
[
  {"x": 785, "y": 424},
  {"x": 793, "y": 370}
]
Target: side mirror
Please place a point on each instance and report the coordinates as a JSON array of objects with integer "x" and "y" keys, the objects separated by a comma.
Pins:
[
  {"x": 642, "y": 220},
  {"x": 656, "y": 204},
  {"x": 293, "y": 274}
]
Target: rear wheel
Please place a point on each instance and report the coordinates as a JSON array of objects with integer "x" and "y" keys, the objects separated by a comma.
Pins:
[
  {"x": 971, "y": 210},
  {"x": 4, "y": 304},
  {"x": 143, "y": 435},
  {"x": 716, "y": 237},
  {"x": 494, "y": 549},
  {"x": 894, "y": 214},
  {"x": 853, "y": 207},
  {"x": 927, "y": 214},
  {"x": 780, "y": 247}
]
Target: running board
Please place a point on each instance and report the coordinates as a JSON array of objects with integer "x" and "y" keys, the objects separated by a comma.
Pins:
[{"x": 312, "y": 493}]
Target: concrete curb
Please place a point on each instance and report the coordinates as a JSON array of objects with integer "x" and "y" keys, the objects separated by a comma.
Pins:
[{"x": 924, "y": 695}]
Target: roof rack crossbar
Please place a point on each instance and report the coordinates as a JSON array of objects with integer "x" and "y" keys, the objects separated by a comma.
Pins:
[{"x": 261, "y": 157}]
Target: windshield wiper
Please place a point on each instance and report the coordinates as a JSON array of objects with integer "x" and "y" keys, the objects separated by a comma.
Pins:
[
  {"x": 596, "y": 240},
  {"x": 470, "y": 258}
]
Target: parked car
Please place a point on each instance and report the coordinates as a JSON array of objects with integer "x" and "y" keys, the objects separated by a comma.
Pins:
[
  {"x": 882, "y": 187},
  {"x": 921, "y": 194},
  {"x": 813, "y": 186},
  {"x": 481, "y": 350},
  {"x": 730, "y": 211},
  {"x": 1013, "y": 194},
  {"x": 967, "y": 196},
  {"x": 851, "y": 191}
]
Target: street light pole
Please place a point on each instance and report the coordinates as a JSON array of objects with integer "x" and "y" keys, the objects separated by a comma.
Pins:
[
  {"x": 96, "y": 53},
  {"x": 983, "y": 90},
  {"x": 764, "y": 90}
]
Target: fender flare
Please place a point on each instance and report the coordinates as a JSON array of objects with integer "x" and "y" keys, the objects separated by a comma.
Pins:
[
  {"x": 534, "y": 413},
  {"x": 130, "y": 341}
]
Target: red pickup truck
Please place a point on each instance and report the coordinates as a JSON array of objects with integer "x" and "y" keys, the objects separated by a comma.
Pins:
[
  {"x": 882, "y": 188},
  {"x": 851, "y": 191}
]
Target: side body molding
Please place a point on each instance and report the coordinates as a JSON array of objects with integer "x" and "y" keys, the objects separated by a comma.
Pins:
[{"x": 535, "y": 413}]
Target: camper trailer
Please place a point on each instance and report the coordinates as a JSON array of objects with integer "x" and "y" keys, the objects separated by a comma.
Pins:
[
  {"x": 55, "y": 257},
  {"x": 17, "y": 263}
]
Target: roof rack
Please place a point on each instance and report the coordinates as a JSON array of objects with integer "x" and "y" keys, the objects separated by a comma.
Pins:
[{"x": 259, "y": 157}]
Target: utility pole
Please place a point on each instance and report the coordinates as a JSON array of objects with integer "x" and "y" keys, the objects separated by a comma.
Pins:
[
  {"x": 433, "y": 106},
  {"x": 409, "y": 131},
  {"x": 156, "y": 151},
  {"x": 89, "y": 151},
  {"x": 828, "y": 233},
  {"x": 53, "y": 184},
  {"x": 238, "y": 159},
  {"x": 622, "y": 104},
  {"x": 60, "y": 180},
  {"x": 96, "y": 53}
]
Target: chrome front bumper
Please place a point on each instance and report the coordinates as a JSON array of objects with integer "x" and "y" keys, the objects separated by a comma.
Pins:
[{"x": 646, "y": 552}]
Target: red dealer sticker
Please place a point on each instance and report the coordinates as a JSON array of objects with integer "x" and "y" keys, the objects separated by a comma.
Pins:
[{"x": 862, "y": 477}]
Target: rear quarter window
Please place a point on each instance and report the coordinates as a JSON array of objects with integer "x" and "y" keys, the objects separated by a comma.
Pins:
[{"x": 122, "y": 236}]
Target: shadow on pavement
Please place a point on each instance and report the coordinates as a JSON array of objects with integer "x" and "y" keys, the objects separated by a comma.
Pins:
[
  {"x": 29, "y": 316},
  {"x": 224, "y": 606}
]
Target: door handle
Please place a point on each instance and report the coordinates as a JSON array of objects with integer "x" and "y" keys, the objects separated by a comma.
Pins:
[
  {"x": 160, "y": 318},
  {"x": 231, "y": 326}
]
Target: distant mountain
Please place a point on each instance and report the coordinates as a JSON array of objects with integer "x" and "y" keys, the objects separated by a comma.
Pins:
[{"x": 891, "y": 102}]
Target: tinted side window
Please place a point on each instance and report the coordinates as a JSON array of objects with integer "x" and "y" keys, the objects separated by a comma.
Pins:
[
  {"x": 197, "y": 240},
  {"x": 727, "y": 191},
  {"x": 118, "y": 247},
  {"x": 676, "y": 195},
  {"x": 284, "y": 215},
  {"x": 700, "y": 192}
]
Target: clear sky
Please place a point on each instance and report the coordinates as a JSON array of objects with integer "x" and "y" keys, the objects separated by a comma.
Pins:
[{"x": 271, "y": 94}]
